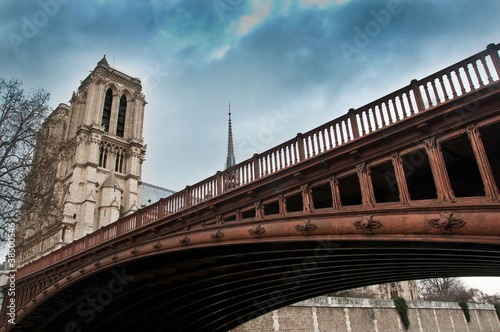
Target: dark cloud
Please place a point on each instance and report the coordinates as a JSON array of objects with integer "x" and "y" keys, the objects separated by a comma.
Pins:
[{"x": 289, "y": 60}]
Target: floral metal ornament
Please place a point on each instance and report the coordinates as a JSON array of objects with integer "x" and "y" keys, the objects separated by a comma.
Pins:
[
  {"x": 367, "y": 224},
  {"x": 217, "y": 236},
  {"x": 134, "y": 251},
  {"x": 446, "y": 223},
  {"x": 157, "y": 245},
  {"x": 185, "y": 240},
  {"x": 257, "y": 231},
  {"x": 306, "y": 227}
]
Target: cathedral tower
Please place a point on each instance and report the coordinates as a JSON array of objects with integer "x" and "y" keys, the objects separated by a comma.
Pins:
[{"x": 98, "y": 163}]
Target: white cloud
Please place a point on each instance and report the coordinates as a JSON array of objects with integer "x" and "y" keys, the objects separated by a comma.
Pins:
[
  {"x": 489, "y": 285},
  {"x": 249, "y": 22},
  {"x": 219, "y": 53},
  {"x": 321, "y": 3}
]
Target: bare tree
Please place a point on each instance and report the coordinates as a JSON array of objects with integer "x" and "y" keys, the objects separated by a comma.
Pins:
[
  {"x": 493, "y": 299},
  {"x": 445, "y": 289},
  {"x": 21, "y": 118}
]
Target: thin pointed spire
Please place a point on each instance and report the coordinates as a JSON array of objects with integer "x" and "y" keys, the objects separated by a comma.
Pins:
[{"x": 231, "y": 160}]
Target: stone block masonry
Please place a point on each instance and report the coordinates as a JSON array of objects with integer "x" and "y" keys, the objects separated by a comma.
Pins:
[{"x": 339, "y": 314}]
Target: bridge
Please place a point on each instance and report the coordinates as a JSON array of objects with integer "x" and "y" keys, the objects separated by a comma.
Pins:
[{"x": 405, "y": 187}]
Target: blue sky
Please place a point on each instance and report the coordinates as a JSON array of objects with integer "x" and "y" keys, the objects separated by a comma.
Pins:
[{"x": 286, "y": 66}]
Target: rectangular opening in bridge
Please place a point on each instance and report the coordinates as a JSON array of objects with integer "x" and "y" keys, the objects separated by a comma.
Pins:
[
  {"x": 462, "y": 167},
  {"x": 248, "y": 214},
  {"x": 294, "y": 203},
  {"x": 271, "y": 208},
  {"x": 418, "y": 175},
  {"x": 350, "y": 190},
  {"x": 322, "y": 196},
  {"x": 230, "y": 218},
  {"x": 491, "y": 140},
  {"x": 385, "y": 186}
]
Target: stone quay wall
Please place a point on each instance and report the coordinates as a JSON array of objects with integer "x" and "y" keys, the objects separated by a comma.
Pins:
[{"x": 341, "y": 314}]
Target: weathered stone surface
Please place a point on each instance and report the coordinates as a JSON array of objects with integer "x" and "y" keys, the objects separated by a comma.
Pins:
[{"x": 360, "y": 315}]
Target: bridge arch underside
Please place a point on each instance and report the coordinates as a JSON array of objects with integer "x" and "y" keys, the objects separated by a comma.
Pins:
[{"x": 218, "y": 287}]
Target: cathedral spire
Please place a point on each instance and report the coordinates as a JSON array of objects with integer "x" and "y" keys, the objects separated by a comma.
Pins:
[{"x": 230, "y": 161}]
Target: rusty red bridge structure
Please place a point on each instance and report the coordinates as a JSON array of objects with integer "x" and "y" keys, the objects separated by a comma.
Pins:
[{"x": 405, "y": 187}]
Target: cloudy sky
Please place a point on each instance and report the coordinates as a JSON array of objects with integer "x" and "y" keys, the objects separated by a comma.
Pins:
[{"x": 286, "y": 66}]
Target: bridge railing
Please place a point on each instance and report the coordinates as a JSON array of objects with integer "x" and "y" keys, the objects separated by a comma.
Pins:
[
  {"x": 327, "y": 136},
  {"x": 385, "y": 111},
  {"x": 172, "y": 204},
  {"x": 463, "y": 77},
  {"x": 446, "y": 85}
]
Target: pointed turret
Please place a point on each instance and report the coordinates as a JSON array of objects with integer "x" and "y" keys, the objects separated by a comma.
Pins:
[
  {"x": 103, "y": 62},
  {"x": 111, "y": 182},
  {"x": 231, "y": 160},
  {"x": 109, "y": 209}
]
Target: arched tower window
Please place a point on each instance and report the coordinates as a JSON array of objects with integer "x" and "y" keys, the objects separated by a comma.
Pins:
[
  {"x": 120, "y": 126},
  {"x": 103, "y": 156},
  {"x": 393, "y": 290},
  {"x": 106, "y": 112}
]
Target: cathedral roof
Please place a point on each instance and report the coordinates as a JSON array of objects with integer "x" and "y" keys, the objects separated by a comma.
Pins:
[{"x": 152, "y": 194}]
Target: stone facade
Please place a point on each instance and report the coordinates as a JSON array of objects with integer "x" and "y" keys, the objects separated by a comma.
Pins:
[
  {"x": 98, "y": 150},
  {"x": 368, "y": 315},
  {"x": 405, "y": 289}
]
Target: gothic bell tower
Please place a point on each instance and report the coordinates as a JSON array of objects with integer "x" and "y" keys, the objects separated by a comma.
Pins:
[
  {"x": 98, "y": 163},
  {"x": 101, "y": 167}
]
